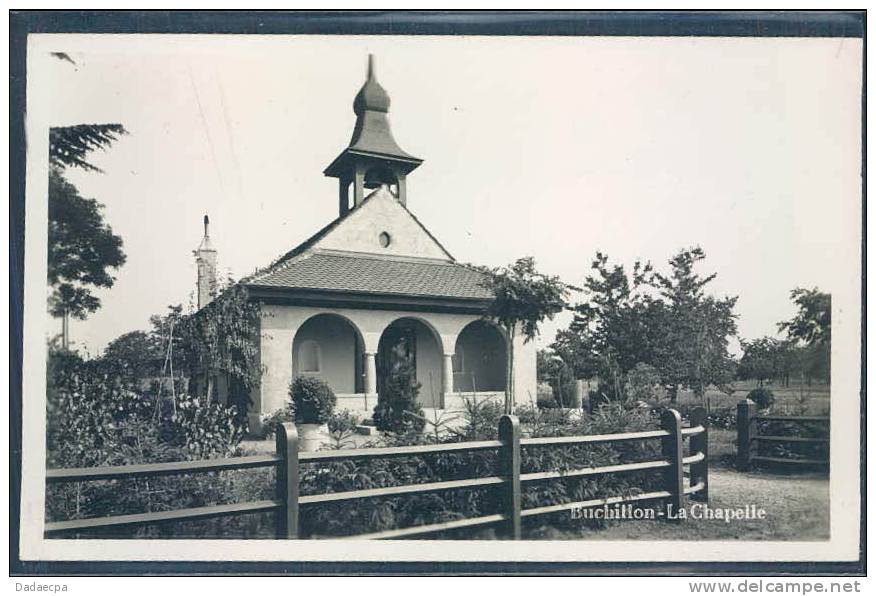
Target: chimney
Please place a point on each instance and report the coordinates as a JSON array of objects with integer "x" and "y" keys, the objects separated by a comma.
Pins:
[{"x": 205, "y": 257}]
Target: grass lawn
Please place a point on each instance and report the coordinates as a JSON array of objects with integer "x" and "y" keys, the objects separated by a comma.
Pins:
[{"x": 796, "y": 508}]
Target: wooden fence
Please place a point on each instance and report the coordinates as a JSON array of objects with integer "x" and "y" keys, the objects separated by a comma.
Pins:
[
  {"x": 509, "y": 478},
  {"x": 748, "y": 437}
]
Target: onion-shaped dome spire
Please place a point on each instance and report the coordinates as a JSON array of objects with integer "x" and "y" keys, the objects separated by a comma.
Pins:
[{"x": 372, "y": 96}]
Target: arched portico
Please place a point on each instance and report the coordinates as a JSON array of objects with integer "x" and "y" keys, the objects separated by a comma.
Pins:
[
  {"x": 480, "y": 358},
  {"x": 415, "y": 342},
  {"x": 329, "y": 347},
  {"x": 460, "y": 341}
]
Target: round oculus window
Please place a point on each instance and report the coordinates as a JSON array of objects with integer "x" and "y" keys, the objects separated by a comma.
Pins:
[{"x": 385, "y": 239}]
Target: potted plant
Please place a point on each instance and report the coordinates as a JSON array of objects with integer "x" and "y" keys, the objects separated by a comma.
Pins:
[{"x": 313, "y": 402}]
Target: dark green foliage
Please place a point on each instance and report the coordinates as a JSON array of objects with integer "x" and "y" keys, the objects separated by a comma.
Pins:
[
  {"x": 643, "y": 383},
  {"x": 811, "y": 327},
  {"x": 764, "y": 398},
  {"x": 481, "y": 419},
  {"x": 68, "y": 145},
  {"x": 272, "y": 423},
  {"x": 97, "y": 417},
  {"x": 719, "y": 417},
  {"x": 342, "y": 427},
  {"x": 82, "y": 250},
  {"x": 481, "y": 424},
  {"x": 137, "y": 354},
  {"x": 794, "y": 449},
  {"x": 546, "y": 400},
  {"x": 220, "y": 339},
  {"x": 312, "y": 400},
  {"x": 206, "y": 430},
  {"x": 811, "y": 324},
  {"x": 561, "y": 377},
  {"x": 398, "y": 411},
  {"x": 667, "y": 321}
]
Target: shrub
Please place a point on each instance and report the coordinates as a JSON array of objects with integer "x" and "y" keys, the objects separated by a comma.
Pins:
[
  {"x": 545, "y": 396},
  {"x": 764, "y": 398},
  {"x": 643, "y": 383},
  {"x": 273, "y": 421},
  {"x": 95, "y": 417},
  {"x": 481, "y": 419},
  {"x": 313, "y": 401},
  {"x": 342, "y": 427},
  {"x": 394, "y": 409},
  {"x": 206, "y": 429}
]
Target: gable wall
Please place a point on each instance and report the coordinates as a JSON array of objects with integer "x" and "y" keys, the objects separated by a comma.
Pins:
[{"x": 360, "y": 231}]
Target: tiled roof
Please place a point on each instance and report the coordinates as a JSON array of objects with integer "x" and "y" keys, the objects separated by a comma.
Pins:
[{"x": 356, "y": 272}]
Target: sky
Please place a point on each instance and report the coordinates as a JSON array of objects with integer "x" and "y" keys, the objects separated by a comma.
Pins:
[{"x": 546, "y": 147}]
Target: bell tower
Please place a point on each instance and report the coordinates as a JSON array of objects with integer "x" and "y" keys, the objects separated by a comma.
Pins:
[{"x": 373, "y": 158}]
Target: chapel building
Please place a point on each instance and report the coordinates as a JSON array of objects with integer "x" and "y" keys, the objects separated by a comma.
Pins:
[{"x": 374, "y": 286}]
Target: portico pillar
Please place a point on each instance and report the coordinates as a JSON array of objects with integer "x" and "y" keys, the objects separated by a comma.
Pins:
[
  {"x": 370, "y": 374},
  {"x": 448, "y": 373}
]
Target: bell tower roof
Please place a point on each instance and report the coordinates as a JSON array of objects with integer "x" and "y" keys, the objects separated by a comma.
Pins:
[
  {"x": 372, "y": 95},
  {"x": 372, "y": 142}
]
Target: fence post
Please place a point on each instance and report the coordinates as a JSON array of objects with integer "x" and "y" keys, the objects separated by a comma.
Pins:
[
  {"x": 509, "y": 460},
  {"x": 673, "y": 450},
  {"x": 744, "y": 421},
  {"x": 287, "y": 481},
  {"x": 699, "y": 472}
]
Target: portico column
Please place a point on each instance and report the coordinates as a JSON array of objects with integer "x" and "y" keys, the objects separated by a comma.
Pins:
[
  {"x": 448, "y": 373},
  {"x": 370, "y": 375}
]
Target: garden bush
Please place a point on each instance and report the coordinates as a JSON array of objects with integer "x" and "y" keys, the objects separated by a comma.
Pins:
[
  {"x": 312, "y": 400},
  {"x": 763, "y": 397},
  {"x": 96, "y": 418},
  {"x": 643, "y": 383},
  {"x": 793, "y": 429}
]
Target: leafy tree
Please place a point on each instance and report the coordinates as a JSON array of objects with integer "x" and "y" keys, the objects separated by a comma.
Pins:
[
  {"x": 809, "y": 330},
  {"x": 616, "y": 326},
  {"x": 82, "y": 247},
  {"x": 136, "y": 353},
  {"x": 69, "y": 145},
  {"x": 811, "y": 324},
  {"x": 761, "y": 359},
  {"x": 523, "y": 299},
  {"x": 667, "y": 321},
  {"x": 695, "y": 350},
  {"x": 82, "y": 251}
]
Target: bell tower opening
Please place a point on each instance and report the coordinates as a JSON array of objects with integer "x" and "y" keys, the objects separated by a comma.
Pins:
[{"x": 373, "y": 158}]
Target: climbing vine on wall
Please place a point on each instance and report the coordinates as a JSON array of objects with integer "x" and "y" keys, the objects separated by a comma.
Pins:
[{"x": 222, "y": 340}]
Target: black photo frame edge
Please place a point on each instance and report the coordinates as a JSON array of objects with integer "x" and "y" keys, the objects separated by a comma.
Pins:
[{"x": 744, "y": 23}]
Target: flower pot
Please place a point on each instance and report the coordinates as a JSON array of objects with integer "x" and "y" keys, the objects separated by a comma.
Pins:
[{"x": 311, "y": 437}]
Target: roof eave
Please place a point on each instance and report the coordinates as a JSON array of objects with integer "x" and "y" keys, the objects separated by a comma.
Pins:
[
  {"x": 336, "y": 168},
  {"x": 367, "y": 300}
]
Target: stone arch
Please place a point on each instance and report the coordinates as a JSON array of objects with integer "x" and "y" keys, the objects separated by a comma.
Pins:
[
  {"x": 329, "y": 346},
  {"x": 480, "y": 357},
  {"x": 415, "y": 340}
]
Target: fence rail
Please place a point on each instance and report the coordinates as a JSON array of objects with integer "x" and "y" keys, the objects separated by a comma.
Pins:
[
  {"x": 749, "y": 438},
  {"x": 509, "y": 479}
]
